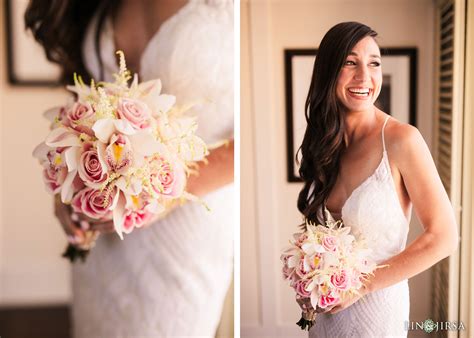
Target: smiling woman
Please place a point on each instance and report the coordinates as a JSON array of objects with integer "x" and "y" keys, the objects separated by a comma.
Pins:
[
  {"x": 360, "y": 79},
  {"x": 365, "y": 168}
]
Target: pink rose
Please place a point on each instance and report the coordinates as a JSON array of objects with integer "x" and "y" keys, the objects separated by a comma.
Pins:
[
  {"x": 77, "y": 115},
  {"x": 90, "y": 169},
  {"x": 54, "y": 177},
  {"x": 300, "y": 269},
  {"x": 329, "y": 243},
  {"x": 93, "y": 203},
  {"x": 167, "y": 178},
  {"x": 300, "y": 288},
  {"x": 118, "y": 154},
  {"x": 79, "y": 112},
  {"x": 329, "y": 299},
  {"x": 134, "y": 111},
  {"x": 341, "y": 280},
  {"x": 135, "y": 219}
]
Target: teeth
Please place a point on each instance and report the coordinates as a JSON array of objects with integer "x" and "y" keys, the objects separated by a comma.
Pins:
[{"x": 364, "y": 91}]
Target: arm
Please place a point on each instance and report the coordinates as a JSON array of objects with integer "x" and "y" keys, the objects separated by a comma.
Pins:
[
  {"x": 218, "y": 172},
  {"x": 440, "y": 236},
  {"x": 432, "y": 206}
]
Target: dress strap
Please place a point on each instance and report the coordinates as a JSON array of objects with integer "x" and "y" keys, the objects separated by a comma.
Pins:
[{"x": 383, "y": 131}]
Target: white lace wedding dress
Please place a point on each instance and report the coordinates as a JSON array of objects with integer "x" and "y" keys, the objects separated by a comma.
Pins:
[
  {"x": 170, "y": 279},
  {"x": 373, "y": 210}
]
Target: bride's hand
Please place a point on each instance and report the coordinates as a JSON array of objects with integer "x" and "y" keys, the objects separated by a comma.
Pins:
[
  {"x": 87, "y": 223},
  {"x": 308, "y": 312},
  {"x": 63, "y": 213},
  {"x": 77, "y": 232},
  {"x": 305, "y": 304},
  {"x": 345, "y": 303},
  {"x": 348, "y": 301}
]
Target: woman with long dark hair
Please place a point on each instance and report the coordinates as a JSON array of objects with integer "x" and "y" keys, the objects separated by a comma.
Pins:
[
  {"x": 170, "y": 278},
  {"x": 366, "y": 168}
]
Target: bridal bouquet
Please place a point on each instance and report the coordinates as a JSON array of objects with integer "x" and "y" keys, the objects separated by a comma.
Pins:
[
  {"x": 323, "y": 265},
  {"x": 120, "y": 152}
]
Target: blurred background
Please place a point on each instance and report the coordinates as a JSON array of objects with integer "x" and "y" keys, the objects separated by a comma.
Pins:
[
  {"x": 35, "y": 286},
  {"x": 34, "y": 279},
  {"x": 275, "y": 36}
]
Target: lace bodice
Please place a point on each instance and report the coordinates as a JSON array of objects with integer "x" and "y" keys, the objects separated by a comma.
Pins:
[{"x": 373, "y": 210}]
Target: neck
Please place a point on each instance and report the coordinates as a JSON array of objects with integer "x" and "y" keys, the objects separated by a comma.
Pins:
[
  {"x": 152, "y": 13},
  {"x": 359, "y": 124}
]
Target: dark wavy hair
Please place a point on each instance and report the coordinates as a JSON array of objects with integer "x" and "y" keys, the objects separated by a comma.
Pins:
[
  {"x": 323, "y": 141},
  {"x": 60, "y": 26}
]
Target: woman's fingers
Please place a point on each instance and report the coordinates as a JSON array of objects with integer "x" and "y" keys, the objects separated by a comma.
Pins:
[
  {"x": 74, "y": 234},
  {"x": 89, "y": 240},
  {"x": 86, "y": 223},
  {"x": 305, "y": 304},
  {"x": 320, "y": 310},
  {"x": 328, "y": 309},
  {"x": 77, "y": 227},
  {"x": 335, "y": 310}
]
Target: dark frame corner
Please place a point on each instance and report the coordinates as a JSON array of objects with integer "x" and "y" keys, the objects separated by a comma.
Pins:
[{"x": 10, "y": 56}]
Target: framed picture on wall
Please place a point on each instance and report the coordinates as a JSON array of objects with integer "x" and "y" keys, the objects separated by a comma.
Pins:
[
  {"x": 27, "y": 64},
  {"x": 397, "y": 97}
]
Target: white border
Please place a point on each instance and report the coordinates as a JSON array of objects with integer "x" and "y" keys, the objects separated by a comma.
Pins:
[{"x": 237, "y": 168}]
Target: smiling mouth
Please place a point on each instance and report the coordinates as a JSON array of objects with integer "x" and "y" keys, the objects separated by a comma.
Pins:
[{"x": 360, "y": 92}]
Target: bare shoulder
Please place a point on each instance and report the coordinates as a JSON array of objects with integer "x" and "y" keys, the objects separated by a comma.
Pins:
[{"x": 403, "y": 140}]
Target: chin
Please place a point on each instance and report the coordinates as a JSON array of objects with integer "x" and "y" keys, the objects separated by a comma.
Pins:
[{"x": 359, "y": 108}]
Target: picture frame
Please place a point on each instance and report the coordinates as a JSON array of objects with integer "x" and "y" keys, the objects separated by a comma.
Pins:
[
  {"x": 397, "y": 97},
  {"x": 27, "y": 64}
]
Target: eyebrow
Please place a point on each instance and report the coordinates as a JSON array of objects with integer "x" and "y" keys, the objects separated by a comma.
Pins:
[{"x": 371, "y": 55}]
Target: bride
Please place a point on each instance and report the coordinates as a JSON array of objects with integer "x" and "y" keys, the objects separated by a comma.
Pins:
[
  {"x": 368, "y": 169},
  {"x": 169, "y": 279}
]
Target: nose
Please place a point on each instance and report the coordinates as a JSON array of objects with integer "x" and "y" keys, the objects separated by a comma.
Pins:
[{"x": 362, "y": 73}]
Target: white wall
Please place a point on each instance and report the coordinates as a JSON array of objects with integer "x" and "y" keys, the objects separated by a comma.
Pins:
[
  {"x": 31, "y": 241},
  {"x": 269, "y": 214},
  {"x": 250, "y": 313}
]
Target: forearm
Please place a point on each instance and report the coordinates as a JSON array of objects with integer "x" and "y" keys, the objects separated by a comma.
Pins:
[
  {"x": 424, "y": 252},
  {"x": 216, "y": 173}
]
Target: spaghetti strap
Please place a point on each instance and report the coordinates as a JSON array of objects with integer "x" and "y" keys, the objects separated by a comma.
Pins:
[{"x": 383, "y": 130}]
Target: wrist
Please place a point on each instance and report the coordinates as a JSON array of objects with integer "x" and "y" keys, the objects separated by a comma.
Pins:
[{"x": 367, "y": 285}]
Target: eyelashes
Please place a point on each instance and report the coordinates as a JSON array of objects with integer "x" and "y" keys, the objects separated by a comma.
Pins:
[{"x": 353, "y": 63}]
